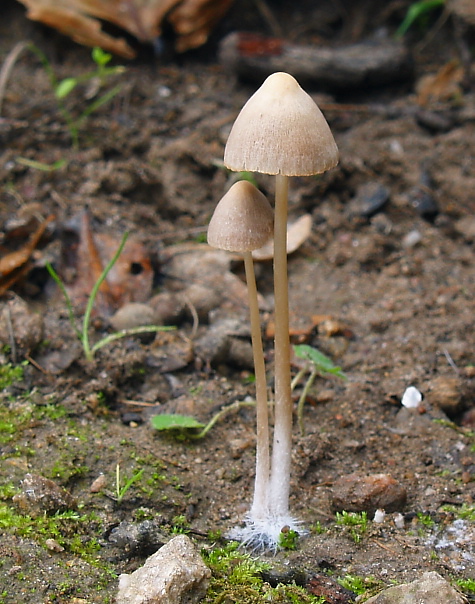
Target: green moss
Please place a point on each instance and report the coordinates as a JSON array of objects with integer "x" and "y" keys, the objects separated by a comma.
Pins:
[
  {"x": 11, "y": 374},
  {"x": 237, "y": 577},
  {"x": 355, "y": 523},
  {"x": 464, "y": 512}
]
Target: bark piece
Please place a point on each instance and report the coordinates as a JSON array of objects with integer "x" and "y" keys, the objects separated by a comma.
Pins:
[{"x": 368, "y": 64}]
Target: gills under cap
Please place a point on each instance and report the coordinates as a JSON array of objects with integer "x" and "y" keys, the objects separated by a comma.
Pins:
[
  {"x": 243, "y": 220},
  {"x": 281, "y": 130}
]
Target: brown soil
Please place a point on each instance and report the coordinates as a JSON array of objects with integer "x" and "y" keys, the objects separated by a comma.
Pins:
[{"x": 398, "y": 287}]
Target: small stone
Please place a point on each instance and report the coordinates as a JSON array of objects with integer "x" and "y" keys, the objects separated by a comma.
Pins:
[
  {"x": 466, "y": 227},
  {"x": 40, "y": 496},
  {"x": 360, "y": 493},
  {"x": 98, "y": 484},
  {"x": 167, "y": 307},
  {"x": 430, "y": 588},
  {"x": 133, "y": 314},
  {"x": 54, "y": 546},
  {"x": 445, "y": 393},
  {"x": 173, "y": 575},
  {"x": 411, "y": 398},
  {"x": 399, "y": 521},
  {"x": 370, "y": 199}
]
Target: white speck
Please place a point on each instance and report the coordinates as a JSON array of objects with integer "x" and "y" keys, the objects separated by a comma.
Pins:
[
  {"x": 379, "y": 516},
  {"x": 411, "y": 398},
  {"x": 399, "y": 521}
]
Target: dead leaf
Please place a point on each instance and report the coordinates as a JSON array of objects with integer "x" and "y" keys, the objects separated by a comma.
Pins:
[
  {"x": 129, "y": 280},
  {"x": 444, "y": 85},
  {"x": 192, "y": 20},
  {"x": 297, "y": 233},
  {"x": 16, "y": 264}
]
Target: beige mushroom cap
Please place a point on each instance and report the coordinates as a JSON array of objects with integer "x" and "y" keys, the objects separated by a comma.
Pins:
[
  {"x": 243, "y": 220},
  {"x": 281, "y": 130}
]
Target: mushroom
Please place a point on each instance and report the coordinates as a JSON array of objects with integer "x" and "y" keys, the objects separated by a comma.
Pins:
[
  {"x": 281, "y": 131},
  {"x": 243, "y": 221}
]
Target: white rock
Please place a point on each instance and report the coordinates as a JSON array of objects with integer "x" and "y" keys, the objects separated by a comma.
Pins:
[
  {"x": 431, "y": 588},
  {"x": 173, "y": 575},
  {"x": 411, "y": 398}
]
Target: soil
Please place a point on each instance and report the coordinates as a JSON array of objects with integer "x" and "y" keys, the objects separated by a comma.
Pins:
[{"x": 386, "y": 292}]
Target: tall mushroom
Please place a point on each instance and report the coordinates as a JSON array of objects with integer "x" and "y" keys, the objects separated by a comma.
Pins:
[
  {"x": 281, "y": 131},
  {"x": 243, "y": 221}
]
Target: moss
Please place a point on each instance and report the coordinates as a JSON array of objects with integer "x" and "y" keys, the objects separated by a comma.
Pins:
[{"x": 237, "y": 577}]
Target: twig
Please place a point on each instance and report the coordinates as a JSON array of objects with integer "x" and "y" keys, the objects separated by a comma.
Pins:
[
  {"x": 7, "y": 68},
  {"x": 450, "y": 361},
  {"x": 11, "y": 335},
  {"x": 36, "y": 364}
]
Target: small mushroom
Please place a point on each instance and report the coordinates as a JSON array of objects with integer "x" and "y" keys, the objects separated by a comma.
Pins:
[
  {"x": 281, "y": 131},
  {"x": 242, "y": 222}
]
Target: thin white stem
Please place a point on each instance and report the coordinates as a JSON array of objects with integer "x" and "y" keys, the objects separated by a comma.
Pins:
[
  {"x": 282, "y": 446},
  {"x": 259, "y": 507}
]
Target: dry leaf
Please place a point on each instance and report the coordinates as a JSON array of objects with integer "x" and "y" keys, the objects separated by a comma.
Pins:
[
  {"x": 16, "y": 264},
  {"x": 297, "y": 233},
  {"x": 129, "y": 280},
  {"x": 442, "y": 86},
  {"x": 192, "y": 20}
]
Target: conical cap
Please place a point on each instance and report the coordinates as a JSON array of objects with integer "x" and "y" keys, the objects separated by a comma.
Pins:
[
  {"x": 243, "y": 220},
  {"x": 281, "y": 130}
]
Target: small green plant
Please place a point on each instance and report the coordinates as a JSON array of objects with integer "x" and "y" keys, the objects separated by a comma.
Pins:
[
  {"x": 417, "y": 12},
  {"x": 361, "y": 586},
  {"x": 466, "y": 585},
  {"x": 356, "y": 522},
  {"x": 83, "y": 333},
  {"x": 38, "y": 165},
  {"x": 425, "y": 519},
  {"x": 180, "y": 525},
  {"x": 185, "y": 427},
  {"x": 11, "y": 374},
  {"x": 121, "y": 490},
  {"x": 63, "y": 88},
  {"x": 288, "y": 539},
  {"x": 317, "y": 364}
]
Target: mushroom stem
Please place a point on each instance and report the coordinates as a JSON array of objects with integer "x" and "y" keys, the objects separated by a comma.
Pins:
[
  {"x": 259, "y": 507},
  {"x": 282, "y": 445}
]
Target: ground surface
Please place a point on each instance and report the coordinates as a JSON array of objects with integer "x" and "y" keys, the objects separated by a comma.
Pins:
[{"x": 389, "y": 297}]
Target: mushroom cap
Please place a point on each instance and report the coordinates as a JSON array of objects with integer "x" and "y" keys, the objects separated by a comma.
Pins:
[
  {"x": 281, "y": 130},
  {"x": 243, "y": 220}
]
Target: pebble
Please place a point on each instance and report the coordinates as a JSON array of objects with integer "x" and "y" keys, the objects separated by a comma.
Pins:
[
  {"x": 173, "y": 575},
  {"x": 445, "y": 393},
  {"x": 135, "y": 538},
  {"x": 430, "y": 588},
  {"x": 133, "y": 314},
  {"x": 167, "y": 308},
  {"x": 466, "y": 227},
  {"x": 40, "y": 496},
  {"x": 98, "y": 484},
  {"x": 368, "y": 493},
  {"x": 369, "y": 200}
]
